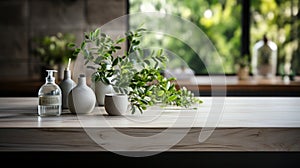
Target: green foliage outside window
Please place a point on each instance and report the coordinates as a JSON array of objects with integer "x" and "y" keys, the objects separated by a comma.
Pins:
[
  {"x": 220, "y": 20},
  {"x": 279, "y": 20}
]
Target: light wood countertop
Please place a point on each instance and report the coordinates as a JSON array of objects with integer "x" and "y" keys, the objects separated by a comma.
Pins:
[
  {"x": 237, "y": 124},
  {"x": 236, "y": 112}
]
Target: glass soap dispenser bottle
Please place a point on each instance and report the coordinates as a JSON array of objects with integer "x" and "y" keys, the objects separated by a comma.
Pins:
[
  {"x": 50, "y": 97},
  {"x": 264, "y": 59}
]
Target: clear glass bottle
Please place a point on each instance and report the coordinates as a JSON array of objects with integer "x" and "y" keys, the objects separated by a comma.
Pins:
[
  {"x": 264, "y": 58},
  {"x": 50, "y": 97}
]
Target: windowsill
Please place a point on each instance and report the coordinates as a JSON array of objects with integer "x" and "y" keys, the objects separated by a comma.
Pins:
[
  {"x": 232, "y": 86},
  {"x": 233, "y": 80},
  {"x": 201, "y": 85}
]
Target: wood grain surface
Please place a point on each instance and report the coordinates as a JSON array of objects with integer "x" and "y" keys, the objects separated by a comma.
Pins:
[{"x": 245, "y": 124}]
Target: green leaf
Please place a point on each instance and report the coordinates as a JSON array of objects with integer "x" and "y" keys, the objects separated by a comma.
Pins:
[
  {"x": 115, "y": 62},
  {"x": 144, "y": 107},
  {"x": 161, "y": 93},
  {"x": 140, "y": 109},
  {"x": 136, "y": 42},
  {"x": 103, "y": 35},
  {"x": 147, "y": 62},
  {"x": 168, "y": 85},
  {"x": 172, "y": 79},
  {"x": 71, "y": 45},
  {"x": 117, "y": 47},
  {"x": 83, "y": 44},
  {"x": 86, "y": 36},
  {"x": 91, "y": 36},
  {"x": 98, "y": 60},
  {"x": 121, "y": 40},
  {"x": 98, "y": 42},
  {"x": 160, "y": 52},
  {"x": 172, "y": 98},
  {"x": 95, "y": 77},
  {"x": 141, "y": 29},
  {"x": 86, "y": 53},
  {"x": 97, "y": 31},
  {"x": 133, "y": 110},
  {"x": 144, "y": 101},
  {"x": 76, "y": 52},
  {"x": 90, "y": 67},
  {"x": 105, "y": 81}
]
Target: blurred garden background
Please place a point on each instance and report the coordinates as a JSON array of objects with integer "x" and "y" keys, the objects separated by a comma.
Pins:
[{"x": 223, "y": 21}]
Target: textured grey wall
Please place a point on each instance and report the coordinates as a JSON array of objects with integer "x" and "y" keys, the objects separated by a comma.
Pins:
[{"x": 22, "y": 20}]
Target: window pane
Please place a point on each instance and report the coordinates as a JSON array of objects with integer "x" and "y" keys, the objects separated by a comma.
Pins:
[
  {"x": 219, "y": 20},
  {"x": 279, "y": 20}
]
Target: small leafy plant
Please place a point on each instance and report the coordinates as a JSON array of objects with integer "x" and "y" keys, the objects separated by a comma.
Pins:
[
  {"x": 53, "y": 49},
  {"x": 244, "y": 61},
  {"x": 135, "y": 72}
]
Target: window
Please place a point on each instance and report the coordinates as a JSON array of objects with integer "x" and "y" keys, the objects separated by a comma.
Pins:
[
  {"x": 233, "y": 26},
  {"x": 279, "y": 20}
]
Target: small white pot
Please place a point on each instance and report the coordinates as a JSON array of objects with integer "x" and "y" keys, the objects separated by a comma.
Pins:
[{"x": 116, "y": 104}]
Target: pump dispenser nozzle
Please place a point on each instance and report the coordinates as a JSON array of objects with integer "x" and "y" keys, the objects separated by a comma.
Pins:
[{"x": 50, "y": 78}]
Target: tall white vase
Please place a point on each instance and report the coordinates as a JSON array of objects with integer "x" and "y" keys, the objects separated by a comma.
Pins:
[
  {"x": 66, "y": 85},
  {"x": 81, "y": 98},
  {"x": 100, "y": 90}
]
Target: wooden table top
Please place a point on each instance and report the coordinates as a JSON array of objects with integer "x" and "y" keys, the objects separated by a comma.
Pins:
[
  {"x": 219, "y": 124},
  {"x": 236, "y": 112}
]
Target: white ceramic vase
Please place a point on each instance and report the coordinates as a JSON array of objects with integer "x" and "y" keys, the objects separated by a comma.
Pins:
[
  {"x": 66, "y": 85},
  {"x": 116, "y": 104},
  {"x": 100, "y": 90},
  {"x": 81, "y": 99}
]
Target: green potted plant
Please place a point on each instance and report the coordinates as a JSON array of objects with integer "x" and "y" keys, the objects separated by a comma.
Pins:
[
  {"x": 53, "y": 50},
  {"x": 243, "y": 68},
  {"x": 145, "y": 85}
]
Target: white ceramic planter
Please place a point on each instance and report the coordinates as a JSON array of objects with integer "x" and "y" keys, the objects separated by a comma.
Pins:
[
  {"x": 81, "y": 98},
  {"x": 100, "y": 90},
  {"x": 116, "y": 104}
]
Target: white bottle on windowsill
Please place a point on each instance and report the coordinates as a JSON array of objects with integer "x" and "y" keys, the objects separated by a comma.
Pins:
[{"x": 264, "y": 59}]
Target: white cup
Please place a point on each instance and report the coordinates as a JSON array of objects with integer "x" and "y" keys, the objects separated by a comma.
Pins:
[{"x": 116, "y": 104}]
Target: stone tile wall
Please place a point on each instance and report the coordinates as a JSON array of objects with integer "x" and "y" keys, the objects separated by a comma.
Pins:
[{"x": 22, "y": 20}]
